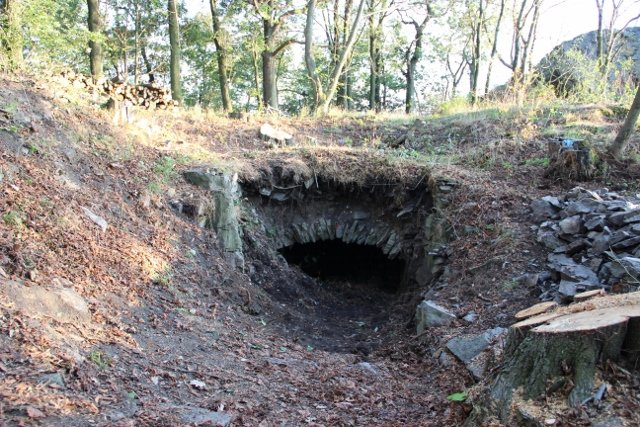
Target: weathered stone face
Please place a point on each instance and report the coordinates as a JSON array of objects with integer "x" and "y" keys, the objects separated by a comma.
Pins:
[{"x": 224, "y": 216}]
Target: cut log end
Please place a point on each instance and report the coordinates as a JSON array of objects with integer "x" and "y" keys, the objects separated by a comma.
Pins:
[
  {"x": 584, "y": 296},
  {"x": 590, "y": 320},
  {"x": 535, "y": 310}
]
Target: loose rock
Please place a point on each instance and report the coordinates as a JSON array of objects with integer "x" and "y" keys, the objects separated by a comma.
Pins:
[
  {"x": 430, "y": 314},
  {"x": 583, "y": 228},
  {"x": 273, "y": 136}
]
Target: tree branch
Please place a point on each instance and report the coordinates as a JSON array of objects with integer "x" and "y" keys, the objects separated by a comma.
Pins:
[{"x": 283, "y": 46}]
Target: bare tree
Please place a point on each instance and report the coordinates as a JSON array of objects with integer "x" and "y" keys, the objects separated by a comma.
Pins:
[
  {"x": 525, "y": 19},
  {"x": 494, "y": 43},
  {"x": 10, "y": 32},
  {"x": 608, "y": 34},
  {"x": 322, "y": 97},
  {"x": 378, "y": 11},
  {"x": 456, "y": 70},
  {"x": 416, "y": 15},
  {"x": 476, "y": 10}
]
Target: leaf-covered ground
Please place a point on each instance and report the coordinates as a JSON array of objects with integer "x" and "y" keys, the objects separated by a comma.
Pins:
[{"x": 173, "y": 328}]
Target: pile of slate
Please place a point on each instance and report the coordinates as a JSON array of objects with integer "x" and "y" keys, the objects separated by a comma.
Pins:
[{"x": 594, "y": 239}]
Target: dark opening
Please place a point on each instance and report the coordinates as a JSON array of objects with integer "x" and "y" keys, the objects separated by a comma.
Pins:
[{"x": 336, "y": 261}]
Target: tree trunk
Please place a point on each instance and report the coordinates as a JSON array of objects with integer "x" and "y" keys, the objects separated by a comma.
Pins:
[
  {"x": 269, "y": 80},
  {"x": 256, "y": 74},
  {"x": 622, "y": 139},
  {"x": 125, "y": 64},
  {"x": 412, "y": 59},
  {"x": 378, "y": 85},
  {"x": 494, "y": 47},
  {"x": 221, "y": 54},
  {"x": 174, "y": 41},
  {"x": 136, "y": 43},
  {"x": 599, "y": 35},
  {"x": 345, "y": 90},
  {"x": 349, "y": 91},
  {"x": 95, "y": 47},
  {"x": 529, "y": 42},
  {"x": 556, "y": 352},
  {"x": 340, "y": 93},
  {"x": 411, "y": 86},
  {"x": 147, "y": 64},
  {"x": 342, "y": 98},
  {"x": 372, "y": 55},
  {"x": 11, "y": 32},
  {"x": 376, "y": 21},
  {"x": 334, "y": 35},
  {"x": 474, "y": 72},
  {"x": 375, "y": 84}
]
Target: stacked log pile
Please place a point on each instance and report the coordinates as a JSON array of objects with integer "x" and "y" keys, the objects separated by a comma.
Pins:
[{"x": 148, "y": 96}]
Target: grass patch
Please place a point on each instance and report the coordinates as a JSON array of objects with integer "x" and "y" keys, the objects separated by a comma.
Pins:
[
  {"x": 537, "y": 162},
  {"x": 100, "y": 359},
  {"x": 12, "y": 218},
  {"x": 509, "y": 285},
  {"x": 165, "y": 168},
  {"x": 162, "y": 277},
  {"x": 10, "y": 107}
]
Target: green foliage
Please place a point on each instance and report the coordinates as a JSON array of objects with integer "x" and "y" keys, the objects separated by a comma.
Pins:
[
  {"x": 162, "y": 277},
  {"x": 460, "y": 396},
  {"x": 509, "y": 285},
  {"x": 199, "y": 52},
  {"x": 11, "y": 128},
  {"x": 11, "y": 37},
  {"x": 580, "y": 79},
  {"x": 11, "y": 107}
]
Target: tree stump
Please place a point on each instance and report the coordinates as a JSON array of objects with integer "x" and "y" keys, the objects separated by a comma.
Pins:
[
  {"x": 555, "y": 352},
  {"x": 570, "y": 158}
]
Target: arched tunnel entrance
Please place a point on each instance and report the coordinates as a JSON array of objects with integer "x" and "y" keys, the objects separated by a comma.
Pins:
[
  {"x": 347, "y": 264},
  {"x": 344, "y": 262},
  {"x": 366, "y": 242}
]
